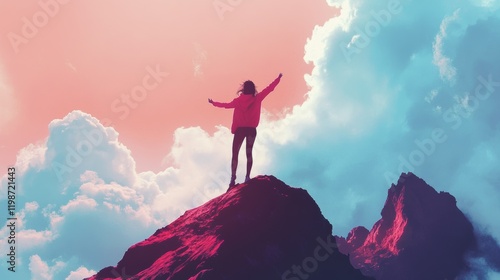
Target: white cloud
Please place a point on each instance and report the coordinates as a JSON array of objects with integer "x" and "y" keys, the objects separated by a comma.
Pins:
[
  {"x": 31, "y": 156},
  {"x": 446, "y": 69},
  {"x": 96, "y": 198},
  {"x": 31, "y": 206},
  {"x": 369, "y": 110},
  {"x": 80, "y": 273},
  {"x": 40, "y": 270},
  {"x": 33, "y": 239},
  {"x": 80, "y": 203},
  {"x": 30, "y": 238}
]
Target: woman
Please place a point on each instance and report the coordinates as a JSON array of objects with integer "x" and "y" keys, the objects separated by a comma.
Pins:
[{"x": 246, "y": 118}]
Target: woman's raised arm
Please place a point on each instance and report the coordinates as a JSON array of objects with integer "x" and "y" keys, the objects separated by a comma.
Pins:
[{"x": 269, "y": 88}]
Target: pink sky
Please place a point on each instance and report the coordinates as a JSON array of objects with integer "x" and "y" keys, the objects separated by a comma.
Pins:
[{"x": 90, "y": 53}]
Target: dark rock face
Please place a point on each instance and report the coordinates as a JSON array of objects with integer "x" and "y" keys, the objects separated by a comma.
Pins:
[
  {"x": 354, "y": 240},
  {"x": 262, "y": 230},
  {"x": 421, "y": 235}
]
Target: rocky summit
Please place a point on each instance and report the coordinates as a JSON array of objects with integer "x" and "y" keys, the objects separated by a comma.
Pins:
[
  {"x": 259, "y": 230},
  {"x": 421, "y": 235}
]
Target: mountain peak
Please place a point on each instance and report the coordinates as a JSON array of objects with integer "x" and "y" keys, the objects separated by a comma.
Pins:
[
  {"x": 262, "y": 229},
  {"x": 415, "y": 186},
  {"x": 420, "y": 228}
]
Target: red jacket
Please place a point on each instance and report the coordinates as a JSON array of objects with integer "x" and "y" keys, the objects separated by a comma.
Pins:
[{"x": 247, "y": 107}]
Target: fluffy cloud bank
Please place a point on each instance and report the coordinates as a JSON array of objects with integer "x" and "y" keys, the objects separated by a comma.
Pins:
[
  {"x": 397, "y": 86},
  {"x": 83, "y": 203}
]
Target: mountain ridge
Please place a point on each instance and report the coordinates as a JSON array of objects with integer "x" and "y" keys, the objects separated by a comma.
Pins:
[
  {"x": 419, "y": 228},
  {"x": 263, "y": 229}
]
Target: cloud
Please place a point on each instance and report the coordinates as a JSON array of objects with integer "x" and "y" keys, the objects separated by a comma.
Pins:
[
  {"x": 80, "y": 273},
  {"x": 372, "y": 108},
  {"x": 33, "y": 239},
  {"x": 40, "y": 270},
  {"x": 376, "y": 100},
  {"x": 31, "y": 206},
  {"x": 80, "y": 203},
  {"x": 81, "y": 184},
  {"x": 384, "y": 84},
  {"x": 446, "y": 69}
]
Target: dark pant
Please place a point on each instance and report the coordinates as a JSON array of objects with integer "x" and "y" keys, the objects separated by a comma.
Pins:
[{"x": 239, "y": 135}]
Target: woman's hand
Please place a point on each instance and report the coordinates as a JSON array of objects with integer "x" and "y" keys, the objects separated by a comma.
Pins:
[
  {"x": 210, "y": 101},
  {"x": 280, "y": 75}
]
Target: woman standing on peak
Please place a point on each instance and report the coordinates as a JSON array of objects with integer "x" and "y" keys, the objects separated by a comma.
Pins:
[{"x": 246, "y": 118}]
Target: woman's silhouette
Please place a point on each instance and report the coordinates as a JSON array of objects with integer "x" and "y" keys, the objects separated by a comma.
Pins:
[{"x": 246, "y": 118}]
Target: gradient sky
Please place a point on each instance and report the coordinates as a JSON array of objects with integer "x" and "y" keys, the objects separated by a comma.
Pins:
[
  {"x": 382, "y": 88},
  {"x": 91, "y": 53}
]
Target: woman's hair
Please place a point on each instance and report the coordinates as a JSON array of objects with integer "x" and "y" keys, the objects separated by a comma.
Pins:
[{"x": 248, "y": 87}]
